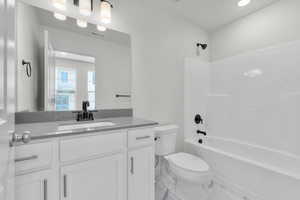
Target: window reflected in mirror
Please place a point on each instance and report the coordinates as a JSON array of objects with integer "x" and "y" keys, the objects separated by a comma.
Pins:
[{"x": 74, "y": 81}]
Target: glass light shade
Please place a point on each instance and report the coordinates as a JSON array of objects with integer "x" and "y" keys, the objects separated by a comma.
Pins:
[
  {"x": 59, "y": 4},
  {"x": 60, "y": 16},
  {"x": 81, "y": 23},
  {"x": 101, "y": 28},
  {"x": 105, "y": 12},
  {"x": 242, "y": 3},
  {"x": 85, "y": 7}
]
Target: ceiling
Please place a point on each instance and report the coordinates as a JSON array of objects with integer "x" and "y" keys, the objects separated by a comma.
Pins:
[{"x": 211, "y": 14}]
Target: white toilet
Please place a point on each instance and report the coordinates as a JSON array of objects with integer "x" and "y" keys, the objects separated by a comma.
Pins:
[{"x": 183, "y": 165}]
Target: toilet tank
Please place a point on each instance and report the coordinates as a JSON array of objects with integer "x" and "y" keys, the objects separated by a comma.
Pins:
[{"x": 165, "y": 139}]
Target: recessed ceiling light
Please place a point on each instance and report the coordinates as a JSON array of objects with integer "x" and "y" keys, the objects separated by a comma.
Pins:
[
  {"x": 253, "y": 73},
  {"x": 60, "y": 16},
  {"x": 242, "y": 3}
]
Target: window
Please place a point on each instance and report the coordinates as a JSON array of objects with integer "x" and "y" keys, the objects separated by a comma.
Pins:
[
  {"x": 64, "y": 76},
  {"x": 62, "y": 102},
  {"x": 92, "y": 89},
  {"x": 65, "y": 89}
]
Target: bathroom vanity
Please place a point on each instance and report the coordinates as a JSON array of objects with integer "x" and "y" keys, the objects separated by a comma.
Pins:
[{"x": 111, "y": 163}]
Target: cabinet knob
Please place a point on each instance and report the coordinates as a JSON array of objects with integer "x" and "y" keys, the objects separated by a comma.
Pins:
[
  {"x": 26, "y": 138},
  {"x": 15, "y": 138}
]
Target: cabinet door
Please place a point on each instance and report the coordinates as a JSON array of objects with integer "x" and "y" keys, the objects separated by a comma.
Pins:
[
  {"x": 141, "y": 174},
  {"x": 37, "y": 186},
  {"x": 103, "y": 178}
]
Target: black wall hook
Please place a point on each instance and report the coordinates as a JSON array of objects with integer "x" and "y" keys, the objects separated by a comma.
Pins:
[{"x": 27, "y": 67}]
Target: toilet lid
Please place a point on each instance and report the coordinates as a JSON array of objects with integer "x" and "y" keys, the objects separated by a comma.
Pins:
[{"x": 188, "y": 162}]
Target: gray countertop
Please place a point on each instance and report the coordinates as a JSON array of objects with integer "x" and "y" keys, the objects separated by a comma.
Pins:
[{"x": 46, "y": 130}]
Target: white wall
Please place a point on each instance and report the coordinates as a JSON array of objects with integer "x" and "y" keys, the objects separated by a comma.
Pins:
[
  {"x": 160, "y": 44},
  {"x": 112, "y": 66},
  {"x": 29, "y": 50},
  {"x": 275, "y": 24}
]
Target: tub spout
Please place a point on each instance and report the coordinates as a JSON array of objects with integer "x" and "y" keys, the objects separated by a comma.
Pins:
[{"x": 201, "y": 132}]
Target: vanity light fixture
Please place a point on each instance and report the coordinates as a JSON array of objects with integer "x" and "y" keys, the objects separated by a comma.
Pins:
[
  {"x": 105, "y": 11},
  {"x": 243, "y": 3},
  {"x": 101, "y": 28},
  {"x": 85, "y": 7},
  {"x": 60, "y": 16},
  {"x": 59, "y": 4},
  {"x": 81, "y": 23}
]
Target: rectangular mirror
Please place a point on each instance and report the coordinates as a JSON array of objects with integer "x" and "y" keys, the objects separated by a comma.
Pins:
[{"x": 61, "y": 64}]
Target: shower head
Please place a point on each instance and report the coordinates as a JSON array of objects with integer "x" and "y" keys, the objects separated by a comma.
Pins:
[{"x": 203, "y": 46}]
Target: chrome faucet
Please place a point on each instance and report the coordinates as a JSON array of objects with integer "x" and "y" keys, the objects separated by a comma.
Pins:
[{"x": 85, "y": 114}]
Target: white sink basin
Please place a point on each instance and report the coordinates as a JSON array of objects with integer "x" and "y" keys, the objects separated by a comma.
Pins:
[{"x": 85, "y": 125}]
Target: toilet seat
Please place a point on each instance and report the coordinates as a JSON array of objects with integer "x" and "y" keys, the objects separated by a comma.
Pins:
[{"x": 188, "y": 167}]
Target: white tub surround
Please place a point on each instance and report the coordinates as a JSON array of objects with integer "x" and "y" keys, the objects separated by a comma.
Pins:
[{"x": 251, "y": 115}]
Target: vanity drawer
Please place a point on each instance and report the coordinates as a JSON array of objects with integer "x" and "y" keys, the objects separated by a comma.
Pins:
[
  {"x": 33, "y": 157},
  {"x": 89, "y": 146},
  {"x": 140, "y": 137}
]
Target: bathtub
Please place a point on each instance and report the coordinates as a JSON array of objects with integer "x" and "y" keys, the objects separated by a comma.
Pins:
[
  {"x": 269, "y": 159},
  {"x": 256, "y": 172}
]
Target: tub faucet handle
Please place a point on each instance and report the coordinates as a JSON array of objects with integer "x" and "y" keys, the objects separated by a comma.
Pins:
[{"x": 198, "y": 119}]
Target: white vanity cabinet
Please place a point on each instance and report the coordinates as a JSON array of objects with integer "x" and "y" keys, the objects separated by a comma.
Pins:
[
  {"x": 37, "y": 186},
  {"x": 37, "y": 177},
  {"x": 141, "y": 164},
  {"x": 116, "y": 165},
  {"x": 102, "y": 178},
  {"x": 94, "y": 167}
]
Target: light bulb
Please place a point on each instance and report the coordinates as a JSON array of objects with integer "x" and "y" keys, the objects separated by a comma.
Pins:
[
  {"x": 60, "y": 16},
  {"x": 101, "y": 28},
  {"x": 105, "y": 12},
  {"x": 85, "y": 7},
  {"x": 81, "y": 23},
  {"x": 59, "y": 4},
  {"x": 242, "y": 3}
]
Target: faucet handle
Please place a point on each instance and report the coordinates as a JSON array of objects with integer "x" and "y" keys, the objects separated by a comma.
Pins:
[
  {"x": 78, "y": 116},
  {"x": 91, "y": 116},
  {"x": 198, "y": 119}
]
